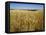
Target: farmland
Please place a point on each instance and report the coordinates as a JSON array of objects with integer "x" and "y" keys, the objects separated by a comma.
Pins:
[{"x": 24, "y": 20}]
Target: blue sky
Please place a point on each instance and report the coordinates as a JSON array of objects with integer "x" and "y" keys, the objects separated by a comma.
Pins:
[{"x": 25, "y": 6}]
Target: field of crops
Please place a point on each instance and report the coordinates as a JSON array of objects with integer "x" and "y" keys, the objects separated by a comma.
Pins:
[{"x": 24, "y": 20}]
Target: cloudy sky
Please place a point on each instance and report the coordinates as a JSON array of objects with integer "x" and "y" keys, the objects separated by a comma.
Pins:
[{"x": 25, "y": 6}]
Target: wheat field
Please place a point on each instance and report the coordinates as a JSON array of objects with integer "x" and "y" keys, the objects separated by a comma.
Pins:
[{"x": 24, "y": 20}]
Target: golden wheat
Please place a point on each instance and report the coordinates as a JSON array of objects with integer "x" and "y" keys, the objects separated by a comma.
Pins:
[{"x": 23, "y": 20}]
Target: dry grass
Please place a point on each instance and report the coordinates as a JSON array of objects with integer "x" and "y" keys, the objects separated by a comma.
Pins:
[{"x": 23, "y": 20}]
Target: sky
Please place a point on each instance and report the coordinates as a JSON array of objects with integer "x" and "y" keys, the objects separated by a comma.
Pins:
[{"x": 25, "y": 6}]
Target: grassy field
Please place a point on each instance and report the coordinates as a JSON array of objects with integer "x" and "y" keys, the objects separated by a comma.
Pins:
[{"x": 24, "y": 20}]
